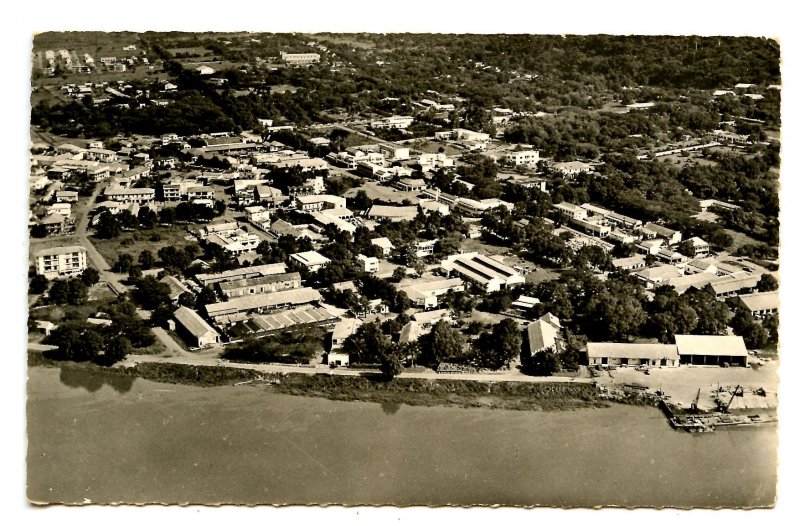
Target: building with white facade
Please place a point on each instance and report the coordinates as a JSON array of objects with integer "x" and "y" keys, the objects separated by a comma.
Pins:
[
  {"x": 61, "y": 261},
  {"x": 523, "y": 157},
  {"x": 488, "y": 273}
]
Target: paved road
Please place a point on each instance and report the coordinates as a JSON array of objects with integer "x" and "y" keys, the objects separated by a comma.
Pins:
[{"x": 194, "y": 359}]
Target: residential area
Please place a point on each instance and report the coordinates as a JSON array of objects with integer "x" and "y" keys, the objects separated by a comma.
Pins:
[{"x": 292, "y": 203}]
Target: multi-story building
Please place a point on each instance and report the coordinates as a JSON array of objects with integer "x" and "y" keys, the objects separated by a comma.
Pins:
[
  {"x": 523, "y": 157},
  {"x": 315, "y": 203},
  {"x": 130, "y": 195},
  {"x": 394, "y": 122},
  {"x": 199, "y": 192},
  {"x": 61, "y": 261},
  {"x": 297, "y": 59},
  {"x": 393, "y": 152},
  {"x": 260, "y": 285},
  {"x": 368, "y": 264},
  {"x": 571, "y": 211}
]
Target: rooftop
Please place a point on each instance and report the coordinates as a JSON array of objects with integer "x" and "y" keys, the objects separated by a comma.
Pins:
[
  {"x": 649, "y": 351},
  {"x": 311, "y": 258},
  {"x": 57, "y": 251},
  {"x": 259, "y": 301},
  {"x": 691, "y": 344},
  {"x": 761, "y": 300},
  {"x": 193, "y": 323}
]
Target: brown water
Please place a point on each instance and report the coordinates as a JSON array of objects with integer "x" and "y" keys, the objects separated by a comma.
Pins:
[{"x": 124, "y": 440}]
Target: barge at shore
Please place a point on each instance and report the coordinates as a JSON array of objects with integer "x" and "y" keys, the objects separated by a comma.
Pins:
[{"x": 708, "y": 422}]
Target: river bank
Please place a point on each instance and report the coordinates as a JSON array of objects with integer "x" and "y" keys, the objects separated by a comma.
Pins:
[{"x": 527, "y": 396}]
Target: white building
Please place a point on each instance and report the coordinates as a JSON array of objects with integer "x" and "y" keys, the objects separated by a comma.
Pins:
[
  {"x": 197, "y": 332},
  {"x": 523, "y": 157},
  {"x": 311, "y": 260},
  {"x": 393, "y": 152},
  {"x": 61, "y": 261},
  {"x": 296, "y": 59},
  {"x": 425, "y": 294},
  {"x": 384, "y": 244},
  {"x": 486, "y": 272},
  {"x": 130, "y": 195},
  {"x": 393, "y": 122},
  {"x": 368, "y": 264}
]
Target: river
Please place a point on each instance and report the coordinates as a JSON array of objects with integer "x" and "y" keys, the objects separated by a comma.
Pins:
[{"x": 111, "y": 439}]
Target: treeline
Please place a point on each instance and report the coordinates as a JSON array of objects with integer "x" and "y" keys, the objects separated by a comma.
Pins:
[
  {"x": 78, "y": 340},
  {"x": 298, "y": 346}
]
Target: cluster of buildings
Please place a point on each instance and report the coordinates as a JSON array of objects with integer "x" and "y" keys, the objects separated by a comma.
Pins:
[
  {"x": 688, "y": 349},
  {"x": 260, "y": 300}
]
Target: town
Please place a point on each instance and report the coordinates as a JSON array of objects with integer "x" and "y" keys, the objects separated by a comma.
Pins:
[{"x": 341, "y": 205}]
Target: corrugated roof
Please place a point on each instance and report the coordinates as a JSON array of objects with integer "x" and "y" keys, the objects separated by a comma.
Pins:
[
  {"x": 410, "y": 332},
  {"x": 260, "y": 280},
  {"x": 761, "y": 300},
  {"x": 649, "y": 351},
  {"x": 192, "y": 322},
  {"x": 393, "y": 212},
  {"x": 310, "y": 257},
  {"x": 710, "y": 345},
  {"x": 262, "y": 301},
  {"x": 239, "y": 273},
  {"x": 541, "y": 335}
]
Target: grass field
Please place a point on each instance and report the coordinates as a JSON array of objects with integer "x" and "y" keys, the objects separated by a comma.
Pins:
[
  {"x": 740, "y": 239},
  {"x": 92, "y": 42},
  {"x": 476, "y": 245},
  {"x": 378, "y": 191},
  {"x": 134, "y": 242},
  {"x": 58, "y": 313},
  {"x": 426, "y": 146}
]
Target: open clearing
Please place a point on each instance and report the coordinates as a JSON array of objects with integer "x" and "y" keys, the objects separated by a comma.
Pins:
[
  {"x": 376, "y": 190},
  {"x": 134, "y": 242}
]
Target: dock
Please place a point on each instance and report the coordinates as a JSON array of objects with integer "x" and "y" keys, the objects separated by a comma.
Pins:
[{"x": 708, "y": 422}]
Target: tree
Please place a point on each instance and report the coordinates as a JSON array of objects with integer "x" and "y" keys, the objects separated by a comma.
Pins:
[
  {"x": 166, "y": 216},
  {"x": 116, "y": 350},
  {"x": 367, "y": 345},
  {"x": 206, "y": 296},
  {"x": 134, "y": 273},
  {"x": 162, "y": 314},
  {"x": 58, "y": 292},
  {"x": 398, "y": 274},
  {"x": 71, "y": 291},
  {"x": 147, "y": 218},
  {"x": 146, "y": 259},
  {"x": 391, "y": 366},
  {"x": 614, "y": 316},
  {"x": 108, "y": 226},
  {"x": 442, "y": 344},
  {"x": 39, "y": 231},
  {"x": 90, "y": 277},
  {"x": 770, "y": 323},
  {"x": 123, "y": 263},
  {"x": 670, "y": 314},
  {"x": 767, "y": 283},
  {"x": 38, "y": 285},
  {"x": 91, "y": 346},
  {"x": 496, "y": 302},
  {"x": 361, "y": 201},
  {"x": 150, "y": 293},
  {"x": 712, "y": 315},
  {"x": 542, "y": 363},
  {"x": 498, "y": 348}
]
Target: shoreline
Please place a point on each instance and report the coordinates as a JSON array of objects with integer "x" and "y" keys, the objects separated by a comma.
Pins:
[{"x": 525, "y": 396}]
